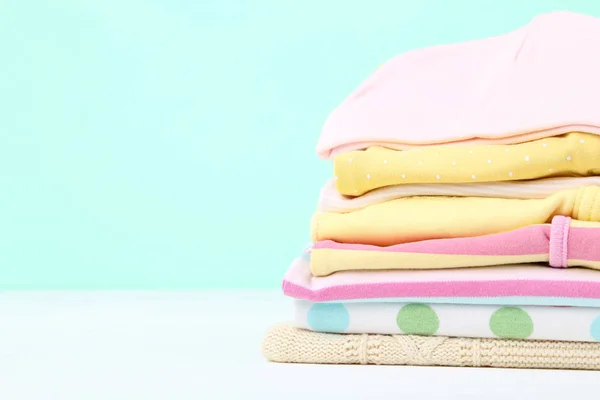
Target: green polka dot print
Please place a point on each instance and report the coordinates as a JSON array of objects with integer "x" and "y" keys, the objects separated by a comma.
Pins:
[
  {"x": 417, "y": 319},
  {"x": 511, "y": 323}
]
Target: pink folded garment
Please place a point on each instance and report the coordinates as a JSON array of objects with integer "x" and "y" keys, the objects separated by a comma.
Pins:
[
  {"x": 330, "y": 200},
  {"x": 540, "y": 80},
  {"x": 564, "y": 243},
  {"x": 529, "y": 284}
]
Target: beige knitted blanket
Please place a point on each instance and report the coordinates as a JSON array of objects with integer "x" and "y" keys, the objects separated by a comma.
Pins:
[{"x": 285, "y": 343}]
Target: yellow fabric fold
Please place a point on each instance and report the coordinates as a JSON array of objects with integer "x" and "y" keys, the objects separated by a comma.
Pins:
[
  {"x": 325, "y": 262},
  {"x": 574, "y": 154},
  {"x": 419, "y": 218}
]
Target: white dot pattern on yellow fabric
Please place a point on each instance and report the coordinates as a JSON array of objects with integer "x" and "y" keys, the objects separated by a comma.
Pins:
[{"x": 486, "y": 163}]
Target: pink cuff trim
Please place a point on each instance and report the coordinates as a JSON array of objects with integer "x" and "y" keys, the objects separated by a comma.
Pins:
[{"x": 559, "y": 239}]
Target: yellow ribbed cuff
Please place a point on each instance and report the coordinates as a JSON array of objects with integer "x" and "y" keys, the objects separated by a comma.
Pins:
[{"x": 587, "y": 204}]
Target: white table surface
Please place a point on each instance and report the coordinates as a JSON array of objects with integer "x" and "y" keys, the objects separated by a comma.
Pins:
[{"x": 206, "y": 345}]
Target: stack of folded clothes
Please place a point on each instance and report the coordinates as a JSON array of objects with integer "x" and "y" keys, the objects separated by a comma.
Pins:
[{"x": 462, "y": 225}]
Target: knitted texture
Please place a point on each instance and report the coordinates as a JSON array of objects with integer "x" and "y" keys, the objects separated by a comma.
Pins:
[{"x": 287, "y": 344}]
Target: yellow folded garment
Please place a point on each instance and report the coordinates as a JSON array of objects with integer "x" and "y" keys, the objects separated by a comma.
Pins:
[
  {"x": 419, "y": 218},
  {"x": 574, "y": 154}
]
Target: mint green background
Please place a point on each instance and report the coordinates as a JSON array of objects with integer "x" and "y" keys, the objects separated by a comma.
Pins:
[{"x": 170, "y": 143}]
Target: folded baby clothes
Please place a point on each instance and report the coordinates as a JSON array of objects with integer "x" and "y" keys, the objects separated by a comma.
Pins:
[
  {"x": 412, "y": 219},
  {"x": 574, "y": 154},
  {"x": 462, "y": 224},
  {"x": 520, "y": 284},
  {"x": 330, "y": 200},
  {"x": 577, "y": 324},
  {"x": 513, "y": 88},
  {"x": 284, "y": 343},
  {"x": 563, "y": 243}
]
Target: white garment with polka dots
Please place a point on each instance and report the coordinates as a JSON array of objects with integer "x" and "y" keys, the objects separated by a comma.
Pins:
[{"x": 580, "y": 324}]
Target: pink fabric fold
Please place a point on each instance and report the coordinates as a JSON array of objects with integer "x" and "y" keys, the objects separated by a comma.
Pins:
[
  {"x": 540, "y": 80},
  {"x": 558, "y": 243},
  {"x": 518, "y": 283}
]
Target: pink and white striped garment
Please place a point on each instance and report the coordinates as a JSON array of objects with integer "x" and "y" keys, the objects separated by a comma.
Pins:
[
  {"x": 529, "y": 284},
  {"x": 538, "y": 81},
  {"x": 330, "y": 200}
]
